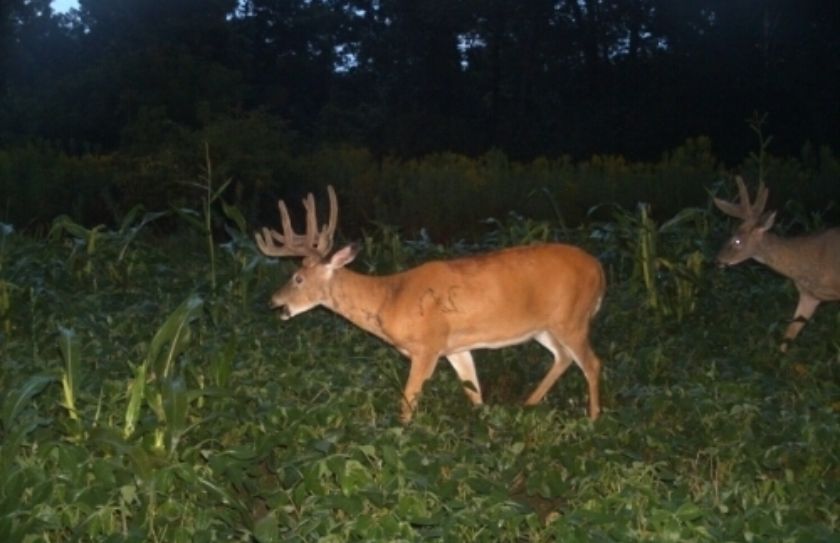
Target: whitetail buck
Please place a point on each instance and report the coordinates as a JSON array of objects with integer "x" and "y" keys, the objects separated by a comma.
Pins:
[
  {"x": 811, "y": 261},
  {"x": 548, "y": 293}
]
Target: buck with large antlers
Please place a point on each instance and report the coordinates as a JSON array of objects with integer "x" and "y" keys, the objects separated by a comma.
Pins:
[
  {"x": 811, "y": 261},
  {"x": 548, "y": 293}
]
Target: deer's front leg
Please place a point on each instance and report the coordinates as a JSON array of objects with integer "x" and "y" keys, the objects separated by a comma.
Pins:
[
  {"x": 422, "y": 367},
  {"x": 804, "y": 309},
  {"x": 464, "y": 366}
]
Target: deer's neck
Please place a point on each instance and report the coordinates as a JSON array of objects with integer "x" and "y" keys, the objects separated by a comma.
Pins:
[
  {"x": 783, "y": 255},
  {"x": 361, "y": 298}
]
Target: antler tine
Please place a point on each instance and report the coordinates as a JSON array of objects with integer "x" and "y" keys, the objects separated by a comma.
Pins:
[
  {"x": 273, "y": 243},
  {"x": 744, "y": 197},
  {"x": 739, "y": 210},
  {"x": 289, "y": 236},
  {"x": 289, "y": 243},
  {"x": 325, "y": 236},
  {"x": 311, "y": 222},
  {"x": 760, "y": 199},
  {"x": 260, "y": 237},
  {"x": 321, "y": 240},
  {"x": 267, "y": 241}
]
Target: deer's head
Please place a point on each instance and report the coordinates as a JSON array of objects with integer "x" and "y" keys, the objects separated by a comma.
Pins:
[
  {"x": 309, "y": 286},
  {"x": 748, "y": 235}
]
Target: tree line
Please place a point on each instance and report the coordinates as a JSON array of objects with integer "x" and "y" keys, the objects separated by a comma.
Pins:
[{"x": 408, "y": 78}]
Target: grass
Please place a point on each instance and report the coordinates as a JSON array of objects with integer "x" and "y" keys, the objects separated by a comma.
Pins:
[{"x": 247, "y": 428}]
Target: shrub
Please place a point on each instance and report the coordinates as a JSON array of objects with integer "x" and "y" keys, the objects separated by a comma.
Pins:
[
  {"x": 38, "y": 183},
  {"x": 446, "y": 195}
]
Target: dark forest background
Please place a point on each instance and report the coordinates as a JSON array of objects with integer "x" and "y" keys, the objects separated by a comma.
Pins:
[{"x": 111, "y": 104}]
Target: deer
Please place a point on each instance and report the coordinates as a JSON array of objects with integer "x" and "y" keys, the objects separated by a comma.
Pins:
[
  {"x": 811, "y": 261},
  {"x": 548, "y": 293}
]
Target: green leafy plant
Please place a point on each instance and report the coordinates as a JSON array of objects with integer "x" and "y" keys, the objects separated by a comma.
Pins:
[
  {"x": 157, "y": 381},
  {"x": 204, "y": 224},
  {"x": 84, "y": 243},
  {"x": 71, "y": 373},
  {"x": 517, "y": 230},
  {"x": 384, "y": 249},
  {"x": 229, "y": 425},
  {"x": 244, "y": 253},
  {"x": 667, "y": 260},
  {"x": 756, "y": 124},
  {"x": 96, "y": 252}
]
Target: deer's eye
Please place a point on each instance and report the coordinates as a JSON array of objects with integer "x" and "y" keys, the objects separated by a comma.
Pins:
[
  {"x": 298, "y": 279},
  {"x": 736, "y": 242}
]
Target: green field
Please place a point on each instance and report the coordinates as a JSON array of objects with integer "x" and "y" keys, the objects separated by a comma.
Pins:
[{"x": 141, "y": 404}]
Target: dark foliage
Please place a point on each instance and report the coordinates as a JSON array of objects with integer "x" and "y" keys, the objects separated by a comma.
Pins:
[{"x": 570, "y": 77}]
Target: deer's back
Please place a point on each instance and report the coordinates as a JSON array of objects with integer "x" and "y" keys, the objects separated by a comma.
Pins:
[
  {"x": 497, "y": 297},
  {"x": 823, "y": 257}
]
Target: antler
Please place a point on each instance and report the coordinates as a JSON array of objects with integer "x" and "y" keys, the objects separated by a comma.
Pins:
[
  {"x": 743, "y": 209},
  {"x": 313, "y": 245}
]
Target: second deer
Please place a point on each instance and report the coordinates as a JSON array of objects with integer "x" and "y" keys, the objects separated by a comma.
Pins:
[
  {"x": 812, "y": 261},
  {"x": 547, "y": 293}
]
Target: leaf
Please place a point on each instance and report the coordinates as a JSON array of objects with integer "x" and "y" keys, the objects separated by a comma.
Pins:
[
  {"x": 131, "y": 233},
  {"x": 155, "y": 400},
  {"x": 172, "y": 337},
  {"x": 190, "y": 216},
  {"x": 128, "y": 494},
  {"x": 353, "y": 477},
  {"x": 685, "y": 215},
  {"x": 267, "y": 529},
  {"x": 136, "y": 393},
  {"x": 111, "y": 439},
  {"x": 689, "y": 512},
  {"x": 221, "y": 364},
  {"x": 71, "y": 353},
  {"x": 16, "y": 399},
  {"x": 141, "y": 464},
  {"x": 167, "y": 344},
  {"x": 412, "y": 507},
  {"x": 175, "y": 408},
  {"x": 226, "y": 497},
  {"x": 220, "y": 190},
  {"x": 232, "y": 212},
  {"x": 390, "y": 456},
  {"x": 66, "y": 224},
  {"x": 128, "y": 219}
]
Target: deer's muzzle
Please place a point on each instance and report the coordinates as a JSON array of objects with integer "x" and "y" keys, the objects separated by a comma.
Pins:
[
  {"x": 722, "y": 260},
  {"x": 281, "y": 308}
]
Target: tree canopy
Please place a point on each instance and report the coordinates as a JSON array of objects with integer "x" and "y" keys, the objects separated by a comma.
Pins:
[{"x": 408, "y": 77}]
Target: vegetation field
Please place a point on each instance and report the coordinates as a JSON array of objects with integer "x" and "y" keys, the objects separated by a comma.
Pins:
[{"x": 148, "y": 394}]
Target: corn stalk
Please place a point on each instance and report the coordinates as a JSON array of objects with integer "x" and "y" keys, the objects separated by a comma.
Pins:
[{"x": 156, "y": 380}]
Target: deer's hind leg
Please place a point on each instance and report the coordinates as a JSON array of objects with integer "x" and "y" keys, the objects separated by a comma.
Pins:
[
  {"x": 579, "y": 350},
  {"x": 804, "y": 310},
  {"x": 562, "y": 361},
  {"x": 591, "y": 366}
]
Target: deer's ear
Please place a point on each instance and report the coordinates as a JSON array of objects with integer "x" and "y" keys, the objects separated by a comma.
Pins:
[
  {"x": 344, "y": 256},
  {"x": 767, "y": 221}
]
